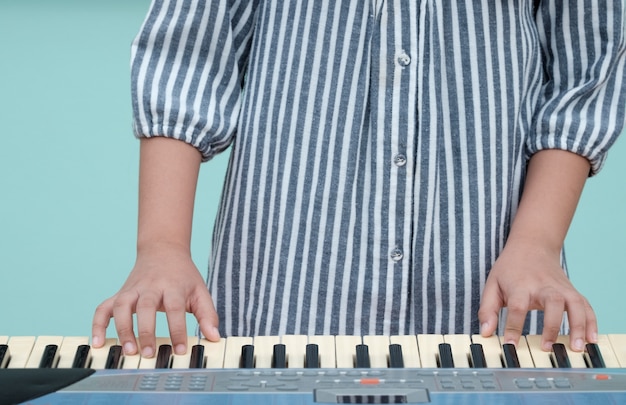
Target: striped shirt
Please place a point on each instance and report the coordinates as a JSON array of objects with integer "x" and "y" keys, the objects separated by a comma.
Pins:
[{"x": 378, "y": 147}]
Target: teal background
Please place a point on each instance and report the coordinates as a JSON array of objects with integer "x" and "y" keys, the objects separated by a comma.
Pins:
[{"x": 68, "y": 175}]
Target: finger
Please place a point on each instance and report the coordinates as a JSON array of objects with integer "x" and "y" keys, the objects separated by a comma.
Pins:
[
  {"x": 577, "y": 317},
  {"x": 203, "y": 309},
  {"x": 592, "y": 324},
  {"x": 123, "y": 310},
  {"x": 147, "y": 306},
  {"x": 553, "y": 308},
  {"x": 175, "y": 313},
  {"x": 517, "y": 309},
  {"x": 100, "y": 323},
  {"x": 490, "y": 305}
]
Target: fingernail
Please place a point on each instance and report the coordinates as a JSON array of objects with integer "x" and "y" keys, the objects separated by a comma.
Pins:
[
  {"x": 147, "y": 351},
  {"x": 578, "y": 344},
  {"x": 129, "y": 348},
  {"x": 547, "y": 346},
  {"x": 594, "y": 337},
  {"x": 180, "y": 349},
  {"x": 215, "y": 332},
  {"x": 484, "y": 327},
  {"x": 97, "y": 341}
]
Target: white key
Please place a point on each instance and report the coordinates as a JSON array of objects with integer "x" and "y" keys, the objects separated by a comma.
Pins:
[
  {"x": 264, "y": 350},
  {"x": 428, "y": 346},
  {"x": 491, "y": 349},
  {"x": 345, "y": 349},
  {"x": 214, "y": 352},
  {"x": 606, "y": 349},
  {"x": 541, "y": 358},
  {"x": 576, "y": 359},
  {"x": 378, "y": 348},
  {"x": 232, "y": 353},
  {"x": 295, "y": 349},
  {"x": 99, "y": 355},
  {"x": 460, "y": 349},
  {"x": 68, "y": 348},
  {"x": 618, "y": 343},
  {"x": 4, "y": 340},
  {"x": 326, "y": 349},
  {"x": 20, "y": 348},
  {"x": 410, "y": 352},
  {"x": 182, "y": 360},
  {"x": 39, "y": 348}
]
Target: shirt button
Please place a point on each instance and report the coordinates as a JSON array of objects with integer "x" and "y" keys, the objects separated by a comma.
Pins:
[
  {"x": 396, "y": 254},
  {"x": 404, "y": 59},
  {"x": 399, "y": 160}
]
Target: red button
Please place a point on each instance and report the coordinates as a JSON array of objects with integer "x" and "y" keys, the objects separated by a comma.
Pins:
[
  {"x": 603, "y": 377},
  {"x": 370, "y": 381}
]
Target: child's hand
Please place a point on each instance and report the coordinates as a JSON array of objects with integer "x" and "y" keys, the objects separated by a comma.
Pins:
[
  {"x": 165, "y": 280},
  {"x": 526, "y": 278}
]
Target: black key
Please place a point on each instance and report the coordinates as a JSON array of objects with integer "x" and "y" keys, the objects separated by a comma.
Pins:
[
  {"x": 164, "y": 356},
  {"x": 362, "y": 356},
  {"x": 396, "y": 360},
  {"x": 312, "y": 356},
  {"x": 478, "y": 356},
  {"x": 279, "y": 356},
  {"x": 81, "y": 358},
  {"x": 4, "y": 356},
  {"x": 247, "y": 357},
  {"x": 510, "y": 356},
  {"x": 49, "y": 357},
  {"x": 197, "y": 357},
  {"x": 114, "y": 359},
  {"x": 593, "y": 355},
  {"x": 559, "y": 356},
  {"x": 445, "y": 356}
]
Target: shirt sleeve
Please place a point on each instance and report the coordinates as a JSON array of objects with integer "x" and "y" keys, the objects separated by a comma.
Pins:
[
  {"x": 187, "y": 67},
  {"x": 581, "y": 107}
]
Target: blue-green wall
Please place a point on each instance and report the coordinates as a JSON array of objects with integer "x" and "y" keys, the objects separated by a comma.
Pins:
[{"x": 68, "y": 175}]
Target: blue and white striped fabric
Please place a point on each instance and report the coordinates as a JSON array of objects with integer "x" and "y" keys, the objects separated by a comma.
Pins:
[{"x": 378, "y": 146}]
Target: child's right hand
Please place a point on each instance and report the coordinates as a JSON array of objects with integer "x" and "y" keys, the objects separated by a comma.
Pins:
[{"x": 163, "y": 279}]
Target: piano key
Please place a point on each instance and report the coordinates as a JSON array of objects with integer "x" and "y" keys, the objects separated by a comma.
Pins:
[
  {"x": 523, "y": 353},
  {"x": 150, "y": 363},
  {"x": 618, "y": 343},
  {"x": 247, "y": 356},
  {"x": 114, "y": 359},
  {"x": 232, "y": 351},
  {"x": 541, "y": 358},
  {"x": 164, "y": 356},
  {"x": 445, "y": 356},
  {"x": 345, "y": 350},
  {"x": 312, "y": 359},
  {"x": 594, "y": 356},
  {"x": 428, "y": 346},
  {"x": 82, "y": 357},
  {"x": 279, "y": 357},
  {"x": 576, "y": 359},
  {"x": 39, "y": 348},
  {"x": 491, "y": 350},
  {"x": 182, "y": 361},
  {"x": 362, "y": 356},
  {"x": 478, "y": 356},
  {"x": 49, "y": 357},
  {"x": 460, "y": 345},
  {"x": 608, "y": 354},
  {"x": 559, "y": 356},
  {"x": 4, "y": 355},
  {"x": 196, "y": 359},
  {"x": 295, "y": 348},
  {"x": 511, "y": 360},
  {"x": 326, "y": 345},
  {"x": 378, "y": 347},
  {"x": 264, "y": 350},
  {"x": 396, "y": 360},
  {"x": 99, "y": 355},
  {"x": 67, "y": 350},
  {"x": 214, "y": 352},
  {"x": 410, "y": 352}
]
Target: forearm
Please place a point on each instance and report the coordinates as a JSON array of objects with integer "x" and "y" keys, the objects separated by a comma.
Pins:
[
  {"x": 168, "y": 177},
  {"x": 553, "y": 186}
]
